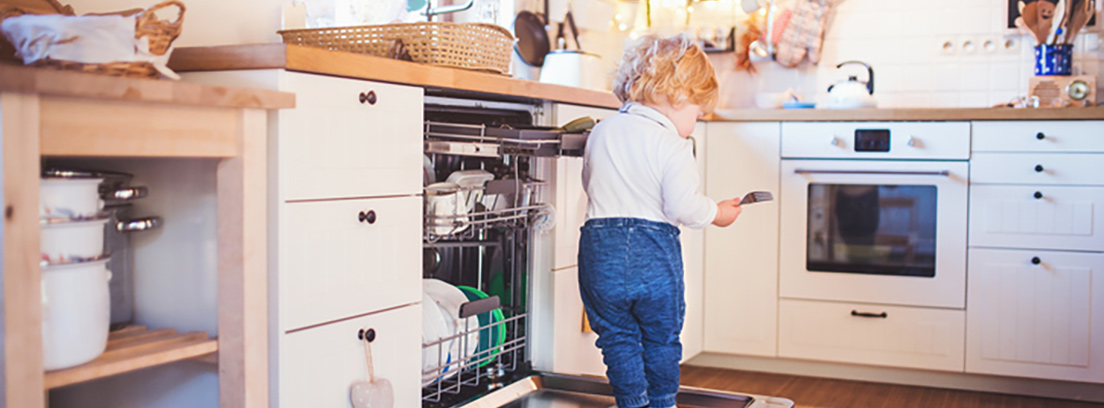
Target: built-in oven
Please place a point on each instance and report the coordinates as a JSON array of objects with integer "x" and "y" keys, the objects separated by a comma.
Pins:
[{"x": 874, "y": 212}]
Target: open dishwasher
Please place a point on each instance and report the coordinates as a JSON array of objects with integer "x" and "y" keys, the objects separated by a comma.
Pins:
[{"x": 487, "y": 220}]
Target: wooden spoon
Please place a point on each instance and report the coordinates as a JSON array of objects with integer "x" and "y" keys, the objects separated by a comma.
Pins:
[
  {"x": 1082, "y": 12},
  {"x": 1029, "y": 15},
  {"x": 1046, "y": 20}
]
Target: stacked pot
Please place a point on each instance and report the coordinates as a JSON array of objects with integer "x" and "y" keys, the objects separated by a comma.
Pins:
[{"x": 76, "y": 305}]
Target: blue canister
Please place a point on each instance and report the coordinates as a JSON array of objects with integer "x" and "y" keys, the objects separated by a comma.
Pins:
[{"x": 1054, "y": 59}]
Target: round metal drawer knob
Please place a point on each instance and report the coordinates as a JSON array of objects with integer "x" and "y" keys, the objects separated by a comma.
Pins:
[
  {"x": 1038, "y": 168},
  {"x": 1038, "y": 195},
  {"x": 369, "y": 217},
  {"x": 1040, "y": 136},
  {"x": 369, "y": 97},
  {"x": 1035, "y": 260}
]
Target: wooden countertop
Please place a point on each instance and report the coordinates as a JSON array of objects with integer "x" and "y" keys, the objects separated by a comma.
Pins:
[
  {"x": 20, "y": 79},
  {"x": 345, "y": 64},
  {"x": 918, "y": 114}
]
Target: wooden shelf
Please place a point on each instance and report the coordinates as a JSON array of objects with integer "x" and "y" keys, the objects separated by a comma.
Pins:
[{"x": 134, "y": 348}]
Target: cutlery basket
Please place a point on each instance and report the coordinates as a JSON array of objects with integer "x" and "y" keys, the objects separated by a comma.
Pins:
[{"x": 475, "y": 46}]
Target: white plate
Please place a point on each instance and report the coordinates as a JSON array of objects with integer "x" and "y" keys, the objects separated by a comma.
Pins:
[
  {"x": 450, "y": 298},
  {"x": 434, "y": 328}
]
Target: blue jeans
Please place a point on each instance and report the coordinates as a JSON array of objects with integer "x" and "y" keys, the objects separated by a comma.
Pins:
[{"x": 630, "y": 278}]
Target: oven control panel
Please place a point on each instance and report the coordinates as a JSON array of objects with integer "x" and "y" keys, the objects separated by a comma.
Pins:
[
  {"x": 871, "y": 140},
  {"x": 876, "y": 140}
]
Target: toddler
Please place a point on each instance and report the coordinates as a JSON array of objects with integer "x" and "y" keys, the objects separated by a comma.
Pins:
[{"x": 642, "y": 182}]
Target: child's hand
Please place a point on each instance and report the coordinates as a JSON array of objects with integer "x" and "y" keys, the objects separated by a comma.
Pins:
[{"x": 727, "y": 211}]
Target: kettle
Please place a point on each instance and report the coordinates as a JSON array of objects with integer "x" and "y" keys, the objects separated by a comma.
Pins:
[{"x": 852, "y": 93}]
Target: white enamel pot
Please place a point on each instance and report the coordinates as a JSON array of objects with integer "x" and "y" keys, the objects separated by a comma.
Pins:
[
  {"x": 69, "y": 197},
  {"x": 68, "y": 241},
  {"x": 75, "y": 313}
]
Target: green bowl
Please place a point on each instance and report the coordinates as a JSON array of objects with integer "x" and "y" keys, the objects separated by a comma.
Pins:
[{"x": 489, "y": 338}]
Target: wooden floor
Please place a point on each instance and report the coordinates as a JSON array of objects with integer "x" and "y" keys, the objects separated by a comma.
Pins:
[{"x": 810, "y": 392}]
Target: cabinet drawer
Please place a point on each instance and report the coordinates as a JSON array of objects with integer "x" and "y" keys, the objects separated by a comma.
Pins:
[
  {"x": 1039, "y": 136},
  {"x": 901, "y": 337},
  {"x": 1050, "y": 168},
  {"x": 907, "y": 140},
  {"x": 317, "y": 366},
  {"x": 332, "y": 265},
  {"x": 1042, "y": 217},
  {"x": 333, "y": 145},
  {"x": 1041, "y": 320}
]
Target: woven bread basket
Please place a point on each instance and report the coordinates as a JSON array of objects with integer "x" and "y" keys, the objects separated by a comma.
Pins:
[
  {"x": 475, "y": 46},
  {"x": 160, "y": 33}
]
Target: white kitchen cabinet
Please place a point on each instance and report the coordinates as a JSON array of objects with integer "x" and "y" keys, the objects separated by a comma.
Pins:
[
  {"x": 1039, "y": 136},
  {"x": 347, "y": 257},
  {"x": 318, "y": 365},
  {"x": 1036, "y": 314},
  {"x": 1037, "y": 216},
  {"x": 570, "y": 199},
  {"x": 1037, "y": 168},
  {"x": 350, "y": 147},
  {"x": 741, "y": 261},
  {"x": 896, "y": 336},
  {"x": 574, "y": 350}
]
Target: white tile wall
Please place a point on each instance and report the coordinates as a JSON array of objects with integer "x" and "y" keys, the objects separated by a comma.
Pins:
[{"x": 983, "y": 62}]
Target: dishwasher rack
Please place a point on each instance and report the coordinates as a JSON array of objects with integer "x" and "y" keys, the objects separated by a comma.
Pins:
[{"x": 480, "y": 140}]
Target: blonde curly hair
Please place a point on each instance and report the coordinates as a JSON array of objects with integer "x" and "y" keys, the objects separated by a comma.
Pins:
[{"x": 673, "y": 70}]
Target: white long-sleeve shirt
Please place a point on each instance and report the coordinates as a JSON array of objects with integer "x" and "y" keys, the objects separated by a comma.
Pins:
[{"x": 635, "y": 165}]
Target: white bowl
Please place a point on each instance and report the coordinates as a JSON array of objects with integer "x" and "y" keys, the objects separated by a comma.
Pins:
[
  {"x": 66, "y": 241},
  {"x": 75, "y": 313}
]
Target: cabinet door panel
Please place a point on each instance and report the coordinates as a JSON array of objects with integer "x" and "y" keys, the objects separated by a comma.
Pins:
[
  {"x": 1037, "y": 168},
  {"x": 333, "y": 145},
  {"x": 1042, "y": 217},
  {"x": 1036, "y": 320},
  {"x": 333, "y": 265},
  {"x": 1024, "y": 136},
  {"x": 902, "y": 337},
  {"x": 741, "y": 261},
  {"x": 318, "y": 365},
  {"x": 571, "y": 208}
]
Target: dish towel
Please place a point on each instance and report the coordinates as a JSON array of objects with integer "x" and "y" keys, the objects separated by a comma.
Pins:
[{"x": 804, "y": 33}]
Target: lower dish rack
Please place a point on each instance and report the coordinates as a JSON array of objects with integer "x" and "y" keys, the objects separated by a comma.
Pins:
[{"x": 478, "y": 358}]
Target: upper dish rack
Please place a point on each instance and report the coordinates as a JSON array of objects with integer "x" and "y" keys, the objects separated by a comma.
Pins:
[{"x": 483, "y": 141}]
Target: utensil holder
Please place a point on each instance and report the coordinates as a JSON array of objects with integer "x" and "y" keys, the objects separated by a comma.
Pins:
[{"x": 1054, "y": 59}]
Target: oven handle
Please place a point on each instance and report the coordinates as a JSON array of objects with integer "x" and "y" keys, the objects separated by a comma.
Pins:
[{"x": 878, "y": 172}]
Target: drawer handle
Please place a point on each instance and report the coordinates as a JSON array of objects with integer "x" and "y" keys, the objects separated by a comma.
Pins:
[
  {"x": 881, "y": 315},
  {"x": 369, "y": 97},
  {"x": 1035, "y": 260},
  {"x": 1038, "y": 195},
  {"x": 1040, "y": 136},
  {"x": 367, "y": 335},
  {"x": 369, "y": 217},
  {"x": 1038, "y": 168}
]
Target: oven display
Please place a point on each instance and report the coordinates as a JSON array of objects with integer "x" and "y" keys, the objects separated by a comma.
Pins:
[
  {"x": 871, "y": 140},
  {"x": 872, "y": 229}
]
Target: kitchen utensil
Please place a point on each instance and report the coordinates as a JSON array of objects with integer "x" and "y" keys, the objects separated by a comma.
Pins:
[
  {"x": 1046, "y": 26},
  {"x": 532, "y": 37},
  {"x": 471, "y": 184},
  {"x": 445, "y": 205},
  {"x": 573, "y": 68},
  {"x": 1082, "y": 13},
  {"x": 582, "y": 124},
  {"x": 852, "y": 93},
  {"x": 574, "y": 30},
  {"x": 375, "y": 392},
  {"x": 75, "y": 315},
  {"x": 1029, "y": 15},
  {"x": 64, "y": 241},
  {"x": 756, "y": 197},
  {"x": 69, "y": 193},
  {"x": 490, "y": 338}
]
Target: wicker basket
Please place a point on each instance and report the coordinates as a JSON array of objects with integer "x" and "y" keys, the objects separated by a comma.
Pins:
[
  {"x": 161, "y": 34},
  {"x": 476, "y": 46}
]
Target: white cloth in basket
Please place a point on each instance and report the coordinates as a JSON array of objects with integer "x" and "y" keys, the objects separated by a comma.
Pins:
[{"x": 83, "y": 39}]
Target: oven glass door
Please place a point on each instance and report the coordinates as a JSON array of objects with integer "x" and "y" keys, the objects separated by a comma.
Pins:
[{"x": 891, "y": 232}]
